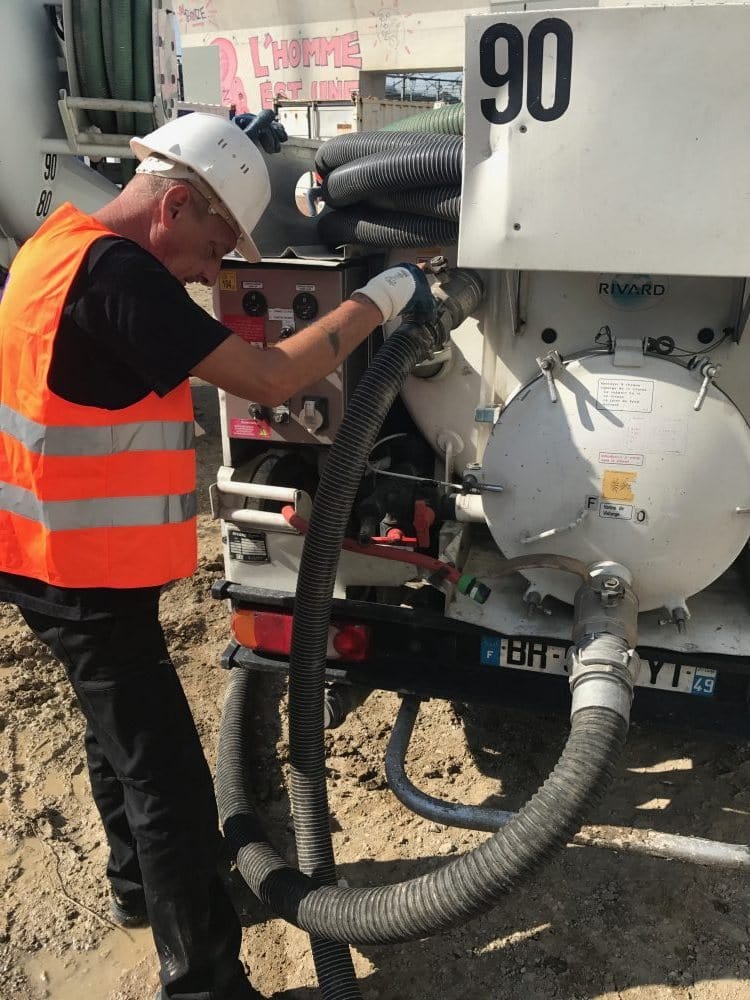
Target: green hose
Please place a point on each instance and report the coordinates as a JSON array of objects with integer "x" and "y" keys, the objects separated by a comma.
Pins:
[
  {"x": 89, "y": 56},
  {"x": 143, "y": 62},
  {"x": 117, "y": 36},
  {"x": 448, "y": 120}
]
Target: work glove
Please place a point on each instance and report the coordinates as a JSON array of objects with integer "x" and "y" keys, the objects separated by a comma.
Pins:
[
  {"x": 264, "y": 129},
  {"x": 403, "y": 291}
]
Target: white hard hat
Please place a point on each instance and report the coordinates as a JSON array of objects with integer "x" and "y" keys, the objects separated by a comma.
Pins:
[{"x": 223, "y": 158}]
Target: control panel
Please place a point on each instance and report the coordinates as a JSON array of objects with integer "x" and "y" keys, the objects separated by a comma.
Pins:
[{"x": 268, "y": 302}]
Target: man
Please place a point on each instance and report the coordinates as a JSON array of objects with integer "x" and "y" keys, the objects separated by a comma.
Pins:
[{"x": 97, "y": 474}]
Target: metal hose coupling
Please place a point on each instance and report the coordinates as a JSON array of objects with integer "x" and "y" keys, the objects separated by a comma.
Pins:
[
  {"x": 459, "y": 294},
  {"x": 602, "y": 661}
]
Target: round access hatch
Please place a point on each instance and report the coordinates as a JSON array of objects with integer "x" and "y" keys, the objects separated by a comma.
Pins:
[{"x": 622, "y": 467}]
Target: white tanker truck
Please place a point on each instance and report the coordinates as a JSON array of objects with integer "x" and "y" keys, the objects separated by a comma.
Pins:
[{"x": 549, "y": 487}]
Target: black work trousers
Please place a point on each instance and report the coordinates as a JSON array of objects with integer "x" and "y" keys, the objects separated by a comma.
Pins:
[{"x": 154, "y": 793}]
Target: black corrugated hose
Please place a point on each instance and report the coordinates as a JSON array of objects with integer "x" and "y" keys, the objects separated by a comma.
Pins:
[
  {"x": 443, "y": 202},
  {"x": 462, "y": 888},
  {"x": 345, "y": 148},
  {"x": 375, "y": 228},
  {"x": 360, "y": 169},
  {"x": 398, "y": 169},
  {"x": 244, "y": 833}
]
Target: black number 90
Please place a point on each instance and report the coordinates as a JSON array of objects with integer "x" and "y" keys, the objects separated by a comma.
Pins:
[{"x": 513, "y": 77}]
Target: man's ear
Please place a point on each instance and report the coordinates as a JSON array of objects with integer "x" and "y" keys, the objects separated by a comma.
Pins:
[{"x": 174, "y": 202}]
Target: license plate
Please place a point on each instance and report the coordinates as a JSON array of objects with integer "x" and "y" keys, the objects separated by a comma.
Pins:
[{"x": 543, "y": 657}]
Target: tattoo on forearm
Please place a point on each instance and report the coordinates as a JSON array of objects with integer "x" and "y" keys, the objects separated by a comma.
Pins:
[{"x": 334, "y": 340}]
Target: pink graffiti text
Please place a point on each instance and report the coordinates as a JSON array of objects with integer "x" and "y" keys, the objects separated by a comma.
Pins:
[
  {"x": 289, "y": 53},
  {"x": 318, "y": 90}
]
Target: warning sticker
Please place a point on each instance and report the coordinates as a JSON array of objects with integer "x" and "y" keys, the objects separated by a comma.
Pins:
[
  {"x": 632, "y": 394},
  {"x": 243, "y": 428},
  {"x": 618, "y": 485},
  {"x": 619, "y": 458},
  {"x": 250, "y": 328},
  {"x": 228, "y": 281},
  {"x": 247, "y": 546}
]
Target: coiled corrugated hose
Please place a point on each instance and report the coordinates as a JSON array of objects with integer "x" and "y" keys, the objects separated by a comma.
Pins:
[
  {"x": 114, "y": 59},
  {"x": 464, "y": 887},
  {"x": 398, "y": 189}
]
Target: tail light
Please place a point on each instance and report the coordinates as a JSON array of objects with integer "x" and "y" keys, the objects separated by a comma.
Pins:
[{"x": 271, "y": 632}]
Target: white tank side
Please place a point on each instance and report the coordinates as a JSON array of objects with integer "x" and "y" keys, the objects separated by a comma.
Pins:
[
  {"x": 622, "y": 467},
  {"x": 32, "y": 183},
  {"x": 448, "y": 401},
  {"x": 573, "y": 308}
]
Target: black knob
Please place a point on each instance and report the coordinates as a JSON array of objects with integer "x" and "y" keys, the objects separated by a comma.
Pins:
[
  {"x": 305, "y": 306},
  {"x": 254, "y": 304}
]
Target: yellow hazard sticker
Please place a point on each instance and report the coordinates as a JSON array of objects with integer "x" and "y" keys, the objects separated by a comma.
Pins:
[
  {"x": 228, "y": 281},
  {"x": 618, "y": 485}
]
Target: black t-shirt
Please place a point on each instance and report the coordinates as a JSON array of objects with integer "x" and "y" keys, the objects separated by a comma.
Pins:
[{"x": 128, "y": 328}]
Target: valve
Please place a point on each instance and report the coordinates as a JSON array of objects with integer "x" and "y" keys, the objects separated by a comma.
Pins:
[
  {"x": 708, "y": 371},
  {"x": 314, "y": 413}
]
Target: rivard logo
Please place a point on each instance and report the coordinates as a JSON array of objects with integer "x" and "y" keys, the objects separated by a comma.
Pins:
[{"x": 632, "y": 291}]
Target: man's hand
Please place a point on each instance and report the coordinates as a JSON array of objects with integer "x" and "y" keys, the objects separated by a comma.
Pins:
[
  {"x": 403, "y": 291},
  {"x": 264, "y": 129}
]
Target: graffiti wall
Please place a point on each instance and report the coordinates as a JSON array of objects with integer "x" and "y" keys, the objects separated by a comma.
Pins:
[{"x": 321, "y": 60}]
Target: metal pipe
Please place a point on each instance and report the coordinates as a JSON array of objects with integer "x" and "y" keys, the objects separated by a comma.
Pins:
[
  {"x": 259, "y": 519},
  {"x": 109, "y": 104},
  {"x": 671, "y": 846},
  {"x": 259, "y": 491},
  {"x": 62, "y": 147},
  {"x": 469, "y": 507}
]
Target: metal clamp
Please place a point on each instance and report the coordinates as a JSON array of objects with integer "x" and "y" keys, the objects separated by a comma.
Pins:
[
  {"x": 547, "y": 365},
  {"x": 708, "y": 371}
]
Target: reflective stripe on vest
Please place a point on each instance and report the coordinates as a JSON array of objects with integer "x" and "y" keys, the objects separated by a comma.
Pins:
[
  {"x": 111, "y": 512},
  {"x": 89, "y": 497},
  {"x": 156, "y": 435}
]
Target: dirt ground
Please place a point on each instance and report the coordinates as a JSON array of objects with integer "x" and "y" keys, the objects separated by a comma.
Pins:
[{"x": 593, "y": 924}]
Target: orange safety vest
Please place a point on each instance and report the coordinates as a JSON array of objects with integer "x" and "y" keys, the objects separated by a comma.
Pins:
[{"x": 88, "y": 497}]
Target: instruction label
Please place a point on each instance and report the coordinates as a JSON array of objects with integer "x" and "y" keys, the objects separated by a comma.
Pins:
[
  {"x": 285, "y": 316},
  {"x": 635, "y": 395},
  {"x": 228, "y": 281},
  {"x": 619, "y": 511},
  {"x": 247, "y": 546},
  {"x": 656, "y": 437}
]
